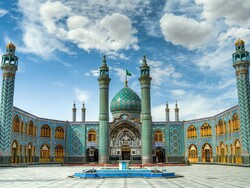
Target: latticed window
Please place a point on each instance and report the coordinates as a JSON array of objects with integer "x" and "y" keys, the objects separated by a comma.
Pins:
[
  {"x": 192, "y": 153},
  {"x": 44, "y": 153},
  {"x": 22, "y": 127},
  {"x": 220, "y": 128},
  {"x": 92, "y": 136},
  {"x": 45, "y": 131},
  {"x": 158, "y": 136},
  {"x": 206, "y": 130},
  {"x": 16, "y": 122},
  {"x": 236, "y": 123},
  {"x": 191, "y": 132},
  {"x": 31, "y": 128},
  {"x": 59, "y": 153},
  {"x": 59, "y": 133}
]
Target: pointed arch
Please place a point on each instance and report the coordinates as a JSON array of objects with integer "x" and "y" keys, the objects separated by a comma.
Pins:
[
  {"x": 191, "y": 132},
  {"x": 158, "y": 136},
  {"x": 207, "y": 153},
  {"x": 44, "y": 153},
  {"x": 29, "y": 153},
  {"x": 59, "y": 133},
  {"x": 222, "y": 152},
  {"x": 92, "y": 135},
  {"x": 237, "y": 147},
  {"x": 31, "y": 128},
  {"x": 236, "y": 123},
  {"x": 46, "y": 131},
  {"x": 59, "y": 153},
  {"x": 192, "y": 153},
  {"x": 206, "y": 130},
  {"x": 14, "y": 152},
  {"x": 220, "y": 127},
  {"x": 16, "y": 124}
]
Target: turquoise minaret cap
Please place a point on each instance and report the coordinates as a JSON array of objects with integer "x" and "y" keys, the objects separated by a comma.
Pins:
[
  {"x": 9, "y": 58},
  {"x": 240, "y": 55}
]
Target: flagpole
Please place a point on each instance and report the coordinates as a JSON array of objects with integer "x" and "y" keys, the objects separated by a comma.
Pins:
[{"x": 126, "y": 79}]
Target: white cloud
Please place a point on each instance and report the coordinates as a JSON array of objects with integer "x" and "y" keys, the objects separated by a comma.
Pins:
[
  {"x": 94, "y": 73},
  {"x": 234, "y": 12},
  {"x": 55, "y": 23},
  {"x": 161, "y": 72},
  {"x": 177, "y": 92},
  {"x": 194, "y": 106},
  {"x": 184, "y": 31},
  {"x": 121, "y": 73},
  {"x": 82, "y": 95},
  {"x": 3, "y": 12}
]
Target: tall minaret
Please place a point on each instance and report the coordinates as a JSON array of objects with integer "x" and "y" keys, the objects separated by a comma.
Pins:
[
  {"x": 104, "y": 113},
  {"x": 146, "y": 118},
  {"x": 176, "y": 110},
  {"x": 83, "y": 112},
  {"x": 9, "y": 66},
  {"x": 167, "y": 112},
  {"x": 241, "y": 62},
  {"x": 74, "y": 112}
]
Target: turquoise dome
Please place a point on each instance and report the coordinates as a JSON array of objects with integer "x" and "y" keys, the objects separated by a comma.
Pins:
[{"x": 126, "y": 101}]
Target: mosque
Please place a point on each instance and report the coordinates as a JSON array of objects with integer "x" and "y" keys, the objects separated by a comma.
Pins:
[{"x": 130, "y": 134}]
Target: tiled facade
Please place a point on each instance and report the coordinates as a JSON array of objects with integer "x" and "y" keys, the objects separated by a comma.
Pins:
[{"x": 212, "y": 139}]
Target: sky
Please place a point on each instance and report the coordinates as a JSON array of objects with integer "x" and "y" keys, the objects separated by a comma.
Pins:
[{"x": 188, "y": 44}]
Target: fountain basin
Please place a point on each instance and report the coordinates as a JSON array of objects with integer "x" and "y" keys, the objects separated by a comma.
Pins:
[{"x": 126, "y": 173}]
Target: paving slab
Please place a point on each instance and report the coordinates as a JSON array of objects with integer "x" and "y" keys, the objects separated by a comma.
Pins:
[{"x": 59, "y": 176}]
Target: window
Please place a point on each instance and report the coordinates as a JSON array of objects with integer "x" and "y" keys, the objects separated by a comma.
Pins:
[
  {"x": 191, "y": 132},
  {"x": 158, "y": 136},
  {"x": 192, "y": 153},
  {"x": 236, "y": 123},
  {"x": 59, "y": 133},
  {"x": 59, "y": 154},
  {"x": 44, "y": 153},
  {"x": 31, "y": 128},
  {"x": 92, "y": 136},
  {"x": 16, "y": 124},
  {"x": 45, "y": 131},
  {"x": 206, "y": 130},
  {"x": 220, "y": 128}
]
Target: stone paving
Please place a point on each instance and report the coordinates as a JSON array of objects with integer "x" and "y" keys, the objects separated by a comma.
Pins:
[{"x": 57, "y": 176}]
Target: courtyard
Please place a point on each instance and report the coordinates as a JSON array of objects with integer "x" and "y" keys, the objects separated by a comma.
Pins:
[{"x": 61, "y": 176}]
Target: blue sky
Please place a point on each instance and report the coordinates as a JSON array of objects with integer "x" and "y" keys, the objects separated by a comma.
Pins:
[{"x": 188, "y": 46}]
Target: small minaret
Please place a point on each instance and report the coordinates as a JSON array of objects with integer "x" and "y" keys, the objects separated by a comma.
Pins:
[
  {"x": 167, "y": 112},
  {"x": 146, "y": 117},
  {"x": 176, "y": 110},
  {"x": 74, "y": 112},
  {"x": 241, "y": 63},
  {"x": 9, "y": 66},
  {"x": 83, "y": 112},
  {"x": 104, "y": 113}
]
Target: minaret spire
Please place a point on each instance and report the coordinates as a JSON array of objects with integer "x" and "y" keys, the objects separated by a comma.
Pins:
[
  {"x": 9, "y": 67},
  {"x": 74, "y": 112},
  {"x": 176, "y": 112},
  {"x": 104, "y": 113},
  {"x": 167, "y": 112},
  {"x": 241, "y": 63},
  {"x": 146, "y": 117},
  {"x": 83, "y": 112}
]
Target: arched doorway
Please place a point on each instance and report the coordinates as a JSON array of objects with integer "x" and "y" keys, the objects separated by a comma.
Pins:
[
  {"x": 44, "y": 153},
  {"x": 192, "y": 153},
  {"x": 160, "y": 154},
  {"x": 207, "y": 153},
  {"x": 59, "y": 154},
  {"x": 14, "y": 151},
  {"x": 222, "y": 152},
  {"x": 29, "y": 151},
  {"x": 92, "y": 154},
  {"x": 237, "y": 146}
]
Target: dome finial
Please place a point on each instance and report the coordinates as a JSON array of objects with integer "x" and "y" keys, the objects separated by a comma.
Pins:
[{"x": 239, "y": 42}]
